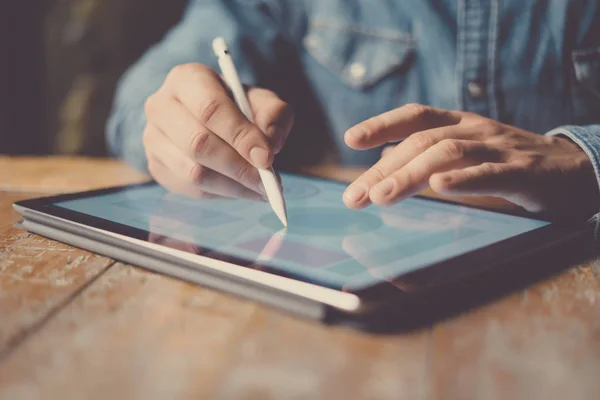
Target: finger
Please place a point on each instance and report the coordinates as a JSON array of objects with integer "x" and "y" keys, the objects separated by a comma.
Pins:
[
  {"x": 216, "y": 186},
  {"x": 398, "y": 124},
  {"x": 503, "y": 180},
  {"x": 183, "y": 176},
  {"x": 447, "y": 155},
  {"x": 356, "y": 196},
  {"x": 387, "y": 151},
  {"x": 272, "y": 115},
  {"x": 203, "y": 94},
  {"x": 198, "y": 143}
]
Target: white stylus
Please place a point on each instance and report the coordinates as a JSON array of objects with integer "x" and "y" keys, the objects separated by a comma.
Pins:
[{"x": 232, "y": 80}]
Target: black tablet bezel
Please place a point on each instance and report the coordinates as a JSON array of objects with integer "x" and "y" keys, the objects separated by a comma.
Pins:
[{"x": 415, "y": 281}]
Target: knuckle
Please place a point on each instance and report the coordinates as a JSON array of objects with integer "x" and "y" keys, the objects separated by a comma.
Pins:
[
  {"x": 420, "y": 141},
  {"x": 200, "y": 142},
  {"x": 552, "y": 140},
  {"x": 477, "y": 124},
  {"x": 186, "y": 69},
  {"x": 240, "y": 134},
  {"x": 375, "y": 126},
  {"x": 380, "y": 123},
  {"x": 366, "y": 129},
  {"x": 377, "y": 172},
  {"x": 150, "y": 105},
  {"x": 528, "y": 162},
  {"x": 485, "y": 127},
  {"x": 490, "y": 130},
  {"x": 511, "y": 136},
  {"x": 441, "y": 183},
  {"x": 198, "y": 174},
  {"x": 178, "y": 72},
  {"x": 453, "y": 148},
  {"x": 418, "y": 111},
  {"x": 242, "y": 173},
  {"x": 372, "y": 127},
  {"x": 209, "y": 109},
  {"x": 206, "y": 71},
  {"x": 490, "y": 168}
]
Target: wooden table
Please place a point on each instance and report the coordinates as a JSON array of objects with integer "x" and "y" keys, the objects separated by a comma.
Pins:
[{"x": 74, "y": 325}]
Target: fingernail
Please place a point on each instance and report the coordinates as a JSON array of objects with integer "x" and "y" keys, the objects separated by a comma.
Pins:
[
  {"x": 355, "y": 193},
  {"x": 356, "y": 133},
  {"x": 259, "y": 156},
  {"x": 385, "y": 187}
]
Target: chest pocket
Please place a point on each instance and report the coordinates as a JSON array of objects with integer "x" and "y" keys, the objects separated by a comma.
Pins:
[
  {"x": 586, "y": 88},
  {"x": 359, "y": 56}
]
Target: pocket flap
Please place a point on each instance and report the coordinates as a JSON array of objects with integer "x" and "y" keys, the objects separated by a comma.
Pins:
[{"x": 359, "y": 56}]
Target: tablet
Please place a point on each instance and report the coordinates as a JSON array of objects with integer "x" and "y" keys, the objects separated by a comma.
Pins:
[{"x": 329, "y": 255}]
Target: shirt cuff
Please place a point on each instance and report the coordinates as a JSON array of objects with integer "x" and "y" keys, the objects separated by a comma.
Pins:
[{"x": 588, "y": 138}]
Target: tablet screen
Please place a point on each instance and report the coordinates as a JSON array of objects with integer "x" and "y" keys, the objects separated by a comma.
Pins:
[{"x": 325, "y": 242}]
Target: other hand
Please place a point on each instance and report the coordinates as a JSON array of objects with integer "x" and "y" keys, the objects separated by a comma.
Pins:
[
  {"x": 463, "y": 154},
  {"x": 198, "y": 143}
]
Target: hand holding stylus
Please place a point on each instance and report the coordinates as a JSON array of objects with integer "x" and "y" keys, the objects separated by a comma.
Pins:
[
  {"x": 199, "y": 143},
  {"x": 269, "y": 180}
]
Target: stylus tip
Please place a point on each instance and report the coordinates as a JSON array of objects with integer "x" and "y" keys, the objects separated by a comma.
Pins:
[{"x": 281, "y": 214}]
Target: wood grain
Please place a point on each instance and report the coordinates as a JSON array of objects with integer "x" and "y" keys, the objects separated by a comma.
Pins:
[
  {"x": 63, "y": 174},
  {"x": 280, "y": 357},
  {"x": 134, "y": 334},
  {"x": 153, "y": 338},
  {"x": 131, "y": 335},
  {"x": 543, "y": 343},
  {"x": 36, "y": 275}
]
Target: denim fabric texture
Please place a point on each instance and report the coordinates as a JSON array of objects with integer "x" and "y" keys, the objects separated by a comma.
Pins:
[{"x": 534, "y": 64}]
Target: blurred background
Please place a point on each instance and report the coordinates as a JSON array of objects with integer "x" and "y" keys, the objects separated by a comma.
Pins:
[{"x": 60, "y": 61}]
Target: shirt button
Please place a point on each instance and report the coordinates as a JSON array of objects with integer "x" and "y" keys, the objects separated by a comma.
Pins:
[
  {"x": 475, "y": 89},
  {"x": 358, "y": 71},
  {"x": 311, "y": 41}
]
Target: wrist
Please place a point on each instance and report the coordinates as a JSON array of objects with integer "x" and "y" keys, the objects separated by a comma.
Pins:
[{"x": 586, "y": 191}]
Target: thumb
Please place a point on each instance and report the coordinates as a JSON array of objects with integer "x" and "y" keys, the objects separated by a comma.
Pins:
[{"x": 272, "y": 116}]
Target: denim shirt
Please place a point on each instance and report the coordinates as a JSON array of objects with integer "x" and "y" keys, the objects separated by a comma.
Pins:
[{"x": 534, "y": 64}]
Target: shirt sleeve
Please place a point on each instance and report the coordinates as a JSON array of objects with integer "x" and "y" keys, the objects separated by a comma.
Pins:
[
  {"x": 588, "y": 138},
  {"x": 190, "y": 41}
]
